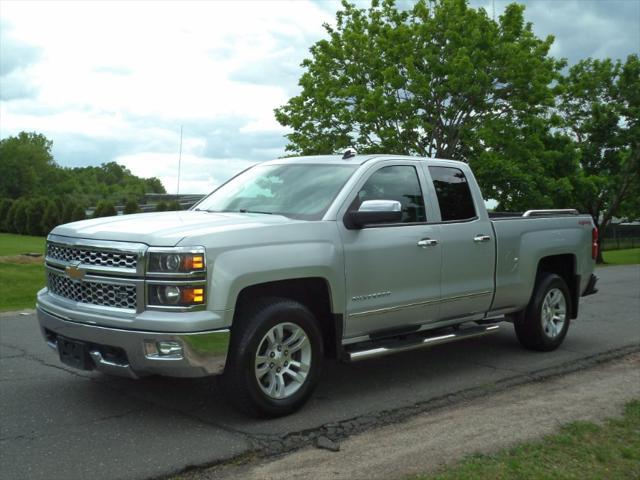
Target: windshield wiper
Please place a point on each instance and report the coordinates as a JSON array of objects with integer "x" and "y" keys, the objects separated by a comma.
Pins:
[{"x": 244, "y": 210}]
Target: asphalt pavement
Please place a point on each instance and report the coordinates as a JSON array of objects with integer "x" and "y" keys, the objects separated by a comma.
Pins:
[{"x": 56, "y": 422}]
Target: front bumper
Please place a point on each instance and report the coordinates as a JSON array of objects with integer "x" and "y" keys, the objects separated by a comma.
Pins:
[{"x": 126, "y": 353}]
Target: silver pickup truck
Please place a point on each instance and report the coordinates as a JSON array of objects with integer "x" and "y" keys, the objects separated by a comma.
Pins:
[{"x": 294, "y": 260}]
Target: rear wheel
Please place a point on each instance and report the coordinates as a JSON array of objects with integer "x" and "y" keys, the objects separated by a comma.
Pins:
[
  {"x": 275, "y": 358},
  {"x": 544, "y": 323}
]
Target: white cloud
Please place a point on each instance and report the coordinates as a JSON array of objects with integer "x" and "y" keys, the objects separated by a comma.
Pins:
[
  {"x": 131, "y": 73},
  {"x": 116, "y": 80},
  {"x": 197, "y": 174}
]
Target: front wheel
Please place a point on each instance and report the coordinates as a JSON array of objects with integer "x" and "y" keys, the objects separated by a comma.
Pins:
[
  {"x": 275, "y": 358},
  {"x": 544, "y": 323}
]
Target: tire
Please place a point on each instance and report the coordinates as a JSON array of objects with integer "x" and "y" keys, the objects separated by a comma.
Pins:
[
  {"x": 283, "y": 383},
  {"x": 544, "y": 323}
]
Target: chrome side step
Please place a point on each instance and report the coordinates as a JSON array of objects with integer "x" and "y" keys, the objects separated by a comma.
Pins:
[{"x": 390, "y": 346}]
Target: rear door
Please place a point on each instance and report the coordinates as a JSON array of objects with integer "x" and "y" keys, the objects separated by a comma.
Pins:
[
  {"x": 468, "y": 246},
  {"x": 392, "y": 272}
]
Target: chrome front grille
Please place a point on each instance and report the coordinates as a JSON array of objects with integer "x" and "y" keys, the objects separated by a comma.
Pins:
[
  {"x": 87, "y": 256},
  {"x": 93, "y": 293}
]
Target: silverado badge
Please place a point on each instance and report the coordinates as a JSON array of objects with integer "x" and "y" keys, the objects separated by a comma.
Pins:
[{"x": 74, "y": 272}]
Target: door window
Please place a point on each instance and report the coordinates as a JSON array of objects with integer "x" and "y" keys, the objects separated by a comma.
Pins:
[
  {"x": 400, "y": 183},
  {"x": 454, "y": 196}
]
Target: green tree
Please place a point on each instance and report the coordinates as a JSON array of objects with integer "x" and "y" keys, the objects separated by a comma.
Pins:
[
  {"x": 441, "y": 79},
  {"x": 78, "y": 213},
  {"x": 131, "y": 206},
  {"x": 50, "y": 217},
  {"x": 27, "y": 169},
  {"x": 161, "y": 207},
  {"x": 104, "y": 209},
  {"x": 35, "y": 211},
  {"x": 9, "y": 220},
  {"x": 20, "y": 216},
  {"x": 25, "y": 164},
  {"x": 600, "y": 112},
  {"x": 66, "y": 209},
  {"x": 5, "y": 206}
]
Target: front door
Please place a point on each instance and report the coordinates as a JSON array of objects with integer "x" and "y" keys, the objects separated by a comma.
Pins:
[{"x": 392, "y": 271}]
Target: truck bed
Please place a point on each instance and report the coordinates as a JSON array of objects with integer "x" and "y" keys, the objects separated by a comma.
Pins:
[{"x": 523, "y": 240}]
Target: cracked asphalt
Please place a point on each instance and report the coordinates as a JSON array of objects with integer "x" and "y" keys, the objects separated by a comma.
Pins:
[{"x": 57, "y": 423}]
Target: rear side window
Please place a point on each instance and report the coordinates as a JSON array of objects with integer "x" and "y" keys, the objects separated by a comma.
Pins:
[
  {"x": 400, "y": 183},
  {"x": 453, "y": 194}
]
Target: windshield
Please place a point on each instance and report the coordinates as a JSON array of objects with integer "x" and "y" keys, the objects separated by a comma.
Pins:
[{"x": 302, "y": 191}]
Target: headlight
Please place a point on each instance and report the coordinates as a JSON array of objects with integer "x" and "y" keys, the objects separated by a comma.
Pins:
[
  {"x": 182, "y": 260},
  {"x": 176, "y": 295}
]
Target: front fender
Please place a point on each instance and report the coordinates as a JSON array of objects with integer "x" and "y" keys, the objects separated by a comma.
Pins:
[{"x": 235, "y": 270}]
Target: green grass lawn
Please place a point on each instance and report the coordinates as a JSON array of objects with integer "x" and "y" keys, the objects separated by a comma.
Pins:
[
  {"x": 629, "y": 256},
  {"x": 11, "y": 244},
  {"x": 580, "y": 450},
  {"x": 20, "y": 282}
]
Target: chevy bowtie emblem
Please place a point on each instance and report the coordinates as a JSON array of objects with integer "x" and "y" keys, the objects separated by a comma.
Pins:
[{"x": 74, "y": 272}]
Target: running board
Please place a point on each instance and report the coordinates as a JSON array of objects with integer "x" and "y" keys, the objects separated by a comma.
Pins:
[{"x": 381, "y": 349}]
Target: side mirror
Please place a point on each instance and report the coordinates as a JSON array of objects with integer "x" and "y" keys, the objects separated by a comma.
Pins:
[{"x": 373, "y": 212}]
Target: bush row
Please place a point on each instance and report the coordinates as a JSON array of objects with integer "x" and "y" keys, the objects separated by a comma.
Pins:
[{"x": 39, "y": 215}]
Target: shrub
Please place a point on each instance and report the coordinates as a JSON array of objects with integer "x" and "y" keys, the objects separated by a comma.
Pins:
[
  {"x": 9, "y": 220},
  {"x": 50, "y": 217},
  {"x": 104, "y": 209},
  {"x": 5, "y": 206},
  {"x": 35, "y": 212},
  {"x": 66, "y": 209},
  {"x": 20, "y": 216},
  {"x": 174, "y": 205},
  {"x": 161, "y": 207},
  {"x": 77, "y": 213},
  {"x": 131, "y": 207}
]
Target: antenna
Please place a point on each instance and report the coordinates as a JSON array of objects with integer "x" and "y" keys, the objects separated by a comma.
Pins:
[{"x": 179, "y": 165}]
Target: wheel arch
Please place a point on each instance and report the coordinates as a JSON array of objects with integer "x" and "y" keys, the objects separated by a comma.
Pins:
[
  {"x": 312, "y": 292},
  {"x": 563, "y": 265}
]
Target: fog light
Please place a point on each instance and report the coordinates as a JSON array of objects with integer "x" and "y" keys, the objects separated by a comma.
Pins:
[
  {"x": 150, "y": 348},
  {"x": 170, "y": 348}
]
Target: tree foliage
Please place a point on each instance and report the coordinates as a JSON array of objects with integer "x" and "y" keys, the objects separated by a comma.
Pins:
[
  {"x": 104, "y": 209},
  {"x": 131, "y": 207},
  {"x": 18, "y": 216},
  {"x": 5, "y": 206},
  {"x": 35, "y": 211},
  {"x": 51, "y": 217},
  {"x": 26, "y": 164},
  {"x": 27, "y": 169},
  {"x": 441, "y": 79},
  {"x": 599, "y": 107}
]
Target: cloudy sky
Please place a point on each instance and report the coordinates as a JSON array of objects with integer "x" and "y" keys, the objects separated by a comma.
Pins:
[{"x": 116, "y": 80}]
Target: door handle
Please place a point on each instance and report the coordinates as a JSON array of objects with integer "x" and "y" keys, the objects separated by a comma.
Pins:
[
  {"x": 427, "y": 242},
  {"x": 481, "y": 238}
]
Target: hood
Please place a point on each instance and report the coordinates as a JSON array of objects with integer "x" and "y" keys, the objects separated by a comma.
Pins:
[{"x": 165, "y": 229}]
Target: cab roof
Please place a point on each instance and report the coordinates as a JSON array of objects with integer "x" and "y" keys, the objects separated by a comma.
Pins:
[{"x": 357, "y": 159}]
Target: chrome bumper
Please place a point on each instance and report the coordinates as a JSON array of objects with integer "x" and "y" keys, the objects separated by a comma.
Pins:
[{"x": 200, "y": 354}]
